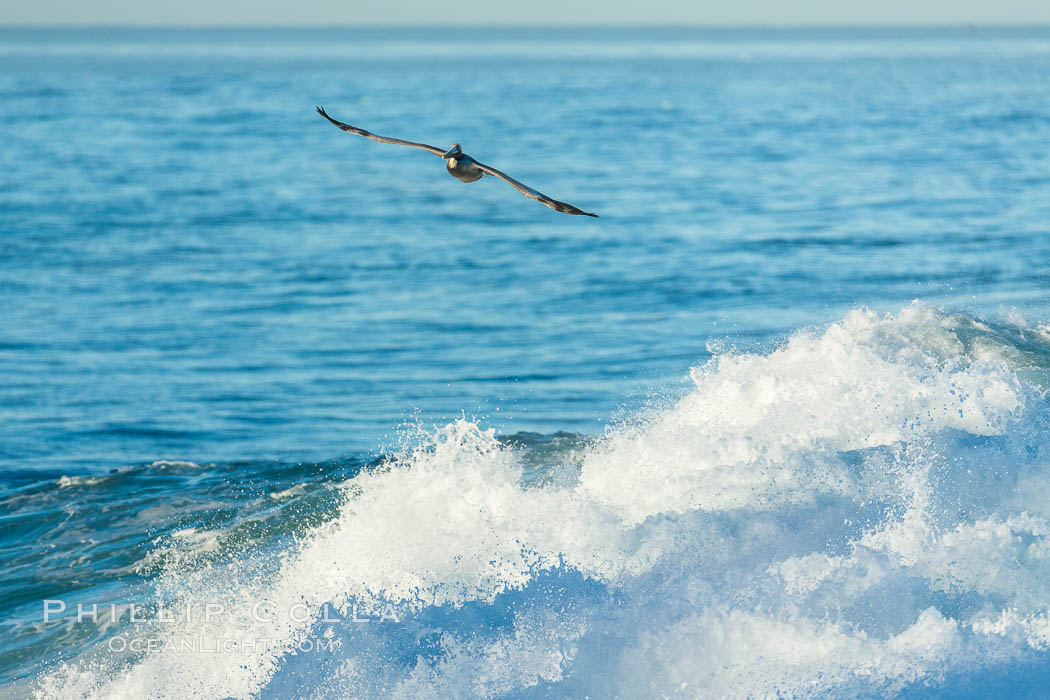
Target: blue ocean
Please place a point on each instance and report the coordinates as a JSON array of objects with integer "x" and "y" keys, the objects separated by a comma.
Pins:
[{"x": 285, "y": 412}]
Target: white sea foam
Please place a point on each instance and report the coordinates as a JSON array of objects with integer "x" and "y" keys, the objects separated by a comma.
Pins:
[
  {"x": 292, "y": 492},
  {"x": 64, "y": 482},
  {"x": 841, "y": 515}
]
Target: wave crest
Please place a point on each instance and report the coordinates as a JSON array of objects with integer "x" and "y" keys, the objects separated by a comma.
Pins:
[{"x": 843, "y": 514}]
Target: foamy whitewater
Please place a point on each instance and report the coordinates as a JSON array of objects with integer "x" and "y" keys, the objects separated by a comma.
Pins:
[{"x": 863, "y": 510}]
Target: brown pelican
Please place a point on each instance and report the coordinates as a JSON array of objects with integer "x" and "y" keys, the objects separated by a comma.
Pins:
[{"x": 463, "y": 167}]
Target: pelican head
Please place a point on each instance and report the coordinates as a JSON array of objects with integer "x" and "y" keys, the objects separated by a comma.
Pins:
[{"x": 453, "y": 152}]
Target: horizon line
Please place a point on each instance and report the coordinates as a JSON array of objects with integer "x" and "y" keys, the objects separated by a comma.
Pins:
[{"x": 960, "y": 24}]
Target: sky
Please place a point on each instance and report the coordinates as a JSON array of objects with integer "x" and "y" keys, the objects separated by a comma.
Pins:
[{"x": 524, "y": 12}]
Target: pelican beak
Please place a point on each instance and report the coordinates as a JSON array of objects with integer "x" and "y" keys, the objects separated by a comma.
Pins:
[{"x": 451, "y": 153}]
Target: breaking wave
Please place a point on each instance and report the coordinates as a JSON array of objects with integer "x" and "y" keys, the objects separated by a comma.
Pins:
[{"x": 862, "y": 510}]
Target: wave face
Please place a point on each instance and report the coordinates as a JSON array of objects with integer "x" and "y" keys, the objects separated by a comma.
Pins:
[{"x": 862, "y": 510}]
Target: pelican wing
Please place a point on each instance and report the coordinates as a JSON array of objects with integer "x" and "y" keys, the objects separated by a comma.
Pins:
[
  {"x": 533, "y": 194},
  {"x": 381, "y": 139}
]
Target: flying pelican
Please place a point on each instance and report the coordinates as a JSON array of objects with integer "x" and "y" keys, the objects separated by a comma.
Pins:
[{"x": 463, "y": 167}]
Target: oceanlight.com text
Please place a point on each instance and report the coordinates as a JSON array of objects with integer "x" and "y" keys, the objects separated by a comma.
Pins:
[{"x": 217, "y": 645}]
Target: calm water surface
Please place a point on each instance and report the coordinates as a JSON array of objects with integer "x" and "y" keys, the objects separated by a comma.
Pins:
[{"x": 194, "y": 265}]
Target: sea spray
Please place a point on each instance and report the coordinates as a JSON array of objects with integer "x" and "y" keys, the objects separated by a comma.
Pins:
[{"x": 858, "y": 511}]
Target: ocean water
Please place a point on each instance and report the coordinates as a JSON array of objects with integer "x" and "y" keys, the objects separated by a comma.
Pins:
[{"x": 289, "y": 413}]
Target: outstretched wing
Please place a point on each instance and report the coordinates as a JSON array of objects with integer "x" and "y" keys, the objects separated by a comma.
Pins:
[
  {"x": 533, "y": 194},
  {"x": 381, "y": 139}
]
